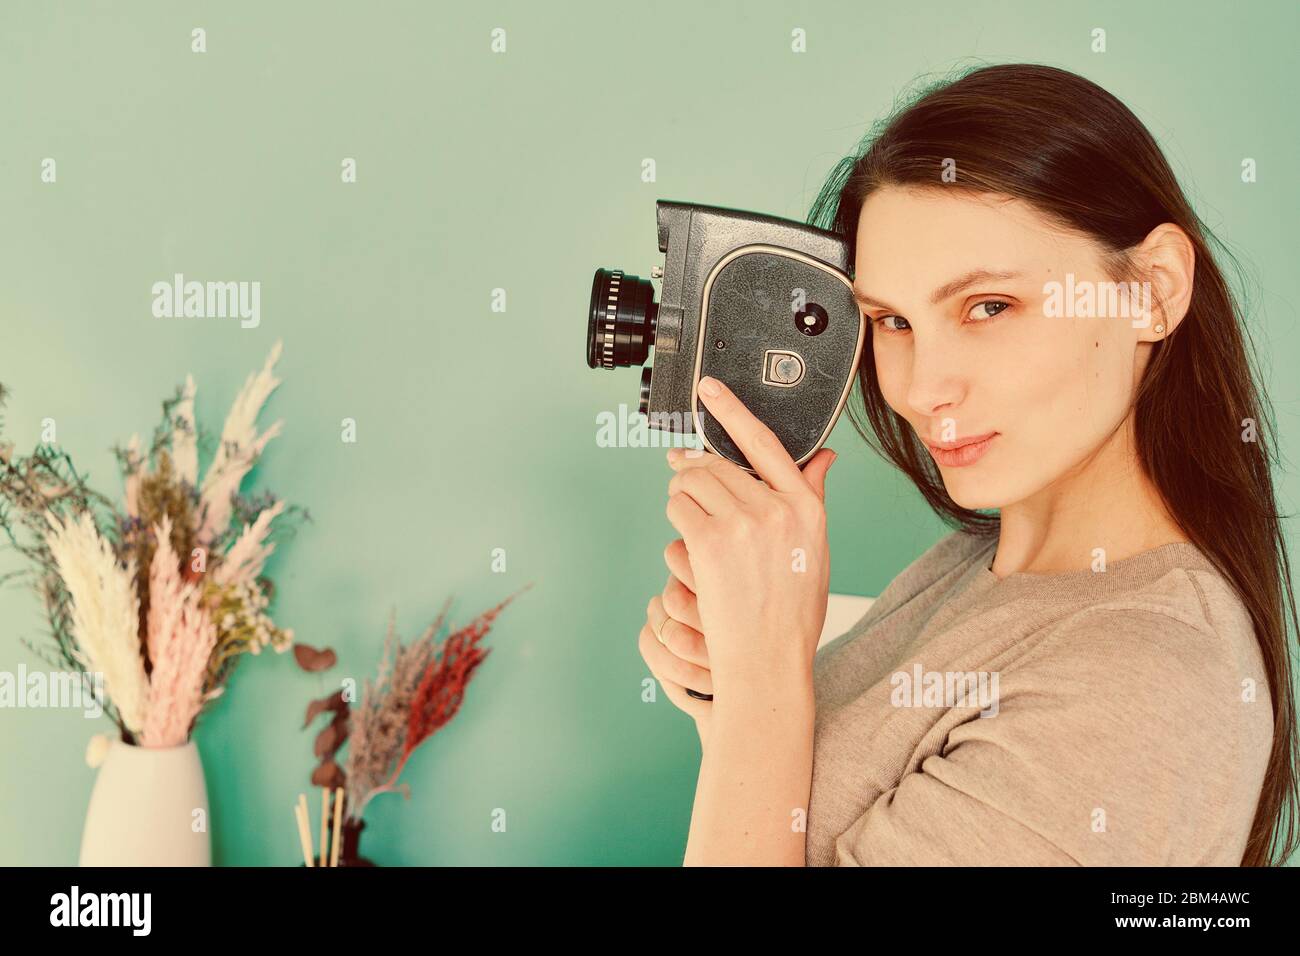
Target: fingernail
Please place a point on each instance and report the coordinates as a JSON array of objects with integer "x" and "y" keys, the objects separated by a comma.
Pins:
[{"x": 710, "y": 386}]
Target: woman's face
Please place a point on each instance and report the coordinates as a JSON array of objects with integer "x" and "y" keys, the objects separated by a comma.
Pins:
[{"x": 954, "y": 286}]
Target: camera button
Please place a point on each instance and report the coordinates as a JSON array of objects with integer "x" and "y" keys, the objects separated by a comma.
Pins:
[{"x": 782, "y": 368}]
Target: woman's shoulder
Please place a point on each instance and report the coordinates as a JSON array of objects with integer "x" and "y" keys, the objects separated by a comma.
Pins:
[
  {"x": 1182, "y": 645},
  {"x": 959, "y": 547},
  {"x": 930, "y": 575},
  {"x": 946, "y": 559},
  {"x": 1164, "y": 688},
  {"x": 1185, "y": 607}
]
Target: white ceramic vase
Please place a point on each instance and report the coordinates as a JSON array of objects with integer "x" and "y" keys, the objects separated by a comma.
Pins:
[{"x": 149, "y": 807}]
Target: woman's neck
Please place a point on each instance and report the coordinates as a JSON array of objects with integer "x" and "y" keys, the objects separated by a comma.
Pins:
[{"x": 1106, "y": 502}]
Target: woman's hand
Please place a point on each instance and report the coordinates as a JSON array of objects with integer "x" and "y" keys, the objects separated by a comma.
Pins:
[
  {"x": 672, "y": 645},
  {"x": 758, "y": 550}
]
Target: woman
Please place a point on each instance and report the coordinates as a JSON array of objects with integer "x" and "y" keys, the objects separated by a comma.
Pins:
[{"x": 1118, "y": 573}]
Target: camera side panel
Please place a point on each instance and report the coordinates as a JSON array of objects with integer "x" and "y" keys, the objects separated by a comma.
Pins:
[{"x": 782, "y": 331}]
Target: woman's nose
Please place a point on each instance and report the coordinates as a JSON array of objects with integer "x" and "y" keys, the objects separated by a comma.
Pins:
[{"x": 937, "y": 379}]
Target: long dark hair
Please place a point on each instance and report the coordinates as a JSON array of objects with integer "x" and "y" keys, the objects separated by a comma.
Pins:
[{"x": 1078, "y": 155}]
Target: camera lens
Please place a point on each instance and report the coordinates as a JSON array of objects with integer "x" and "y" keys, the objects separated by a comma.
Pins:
[{"x": 621, "y": 324}]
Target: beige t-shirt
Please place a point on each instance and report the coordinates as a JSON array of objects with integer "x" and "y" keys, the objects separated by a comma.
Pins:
[{"x": 1129, "y": 720}]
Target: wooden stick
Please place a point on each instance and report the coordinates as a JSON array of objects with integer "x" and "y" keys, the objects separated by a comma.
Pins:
[
  {"x": 304, "y": 833},
  {"x": 305, "y": 828},
  {"x": 324, "y": 824},
  {"x": 338, "y": 823}
]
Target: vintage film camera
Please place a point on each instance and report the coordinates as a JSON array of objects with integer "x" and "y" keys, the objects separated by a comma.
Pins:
[{"x": 763, "y": 304}]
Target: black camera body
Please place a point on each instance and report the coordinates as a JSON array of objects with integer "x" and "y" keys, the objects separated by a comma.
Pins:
[{"x": 763, "y": 304}]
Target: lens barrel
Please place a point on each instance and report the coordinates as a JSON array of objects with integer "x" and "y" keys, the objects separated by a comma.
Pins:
[{"x": 621, "y": 323}]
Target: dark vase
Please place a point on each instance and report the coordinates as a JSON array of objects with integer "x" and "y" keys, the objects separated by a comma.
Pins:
[{"x": 348, "y": 856}]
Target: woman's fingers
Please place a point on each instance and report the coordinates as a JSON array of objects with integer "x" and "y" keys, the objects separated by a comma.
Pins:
[
  {"x": 691, "y": 705},
  {"x": 686, "y": 516},
  {"x": 667, "y": 666},
  {"x": 680, "y": 604},
  {"x": 760, "y": 446},
  {"x": 743, "y": 485},
  {"x": 673, "y": 649},
  {"x": 705, "y": 488},
  {"x": 682, "y": 639},
  {"x": 678, "y": 560}
]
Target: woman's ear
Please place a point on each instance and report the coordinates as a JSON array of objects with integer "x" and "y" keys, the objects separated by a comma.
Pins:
[{"x": 1167, "y": 259}]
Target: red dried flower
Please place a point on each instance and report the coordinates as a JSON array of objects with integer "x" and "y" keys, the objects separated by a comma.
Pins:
[{"x": 442, "y": 688}]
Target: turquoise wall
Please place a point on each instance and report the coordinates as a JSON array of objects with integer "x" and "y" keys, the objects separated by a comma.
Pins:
[{"x": 476, "y": 429}]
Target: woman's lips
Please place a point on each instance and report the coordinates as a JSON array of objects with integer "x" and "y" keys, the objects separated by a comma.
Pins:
[{"x": 962, "y": 455}]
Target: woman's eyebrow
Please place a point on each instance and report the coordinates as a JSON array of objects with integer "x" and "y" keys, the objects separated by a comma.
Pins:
[{"x": 948, "y": 289}]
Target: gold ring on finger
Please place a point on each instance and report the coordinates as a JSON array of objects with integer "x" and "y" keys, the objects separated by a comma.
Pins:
[{"x": 659, "y": 631}]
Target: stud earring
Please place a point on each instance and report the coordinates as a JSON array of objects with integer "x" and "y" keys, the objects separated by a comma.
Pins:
[{"x": 1158, "y": 329}]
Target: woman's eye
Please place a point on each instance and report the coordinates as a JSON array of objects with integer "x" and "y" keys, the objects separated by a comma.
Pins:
[
  {"x": 980, "y": 312},
  {"x": 983, "y": 311}
]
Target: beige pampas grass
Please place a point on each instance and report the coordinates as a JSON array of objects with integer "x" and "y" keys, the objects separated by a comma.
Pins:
[
  {"x": 105, "y": 613},
  {"x": 243, "y": 562},
  {"x": 239, "y": 449}
]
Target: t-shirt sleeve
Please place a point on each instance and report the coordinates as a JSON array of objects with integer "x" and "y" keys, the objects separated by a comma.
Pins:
[{"x": 1114, "y": 742}]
